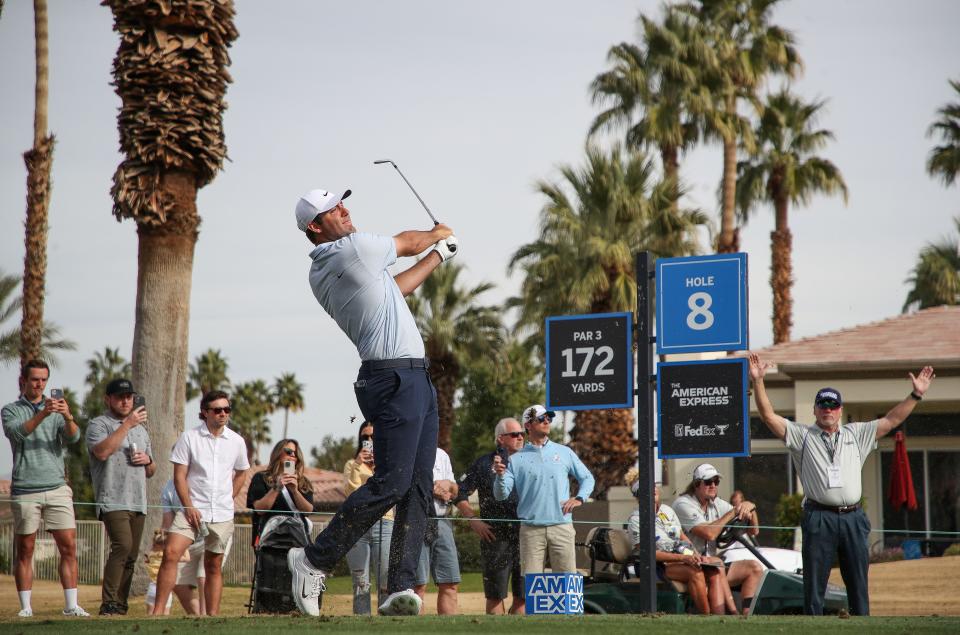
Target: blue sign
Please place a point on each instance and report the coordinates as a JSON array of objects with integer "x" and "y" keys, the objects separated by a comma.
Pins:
[
  {"x": 554, "y": 593},
  {"x": 702, "y": 304}
]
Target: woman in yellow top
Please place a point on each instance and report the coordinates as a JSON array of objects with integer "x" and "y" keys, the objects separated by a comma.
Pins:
[{"x": 372, "y": 551}]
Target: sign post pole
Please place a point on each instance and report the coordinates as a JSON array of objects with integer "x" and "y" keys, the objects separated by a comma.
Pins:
[{"x": 645, "y": 561}]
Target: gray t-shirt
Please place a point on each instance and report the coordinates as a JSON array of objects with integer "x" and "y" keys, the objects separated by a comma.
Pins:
[
  {"x": 117, "y": 484},
  {"x": 38, "y": 456},
  {"x": 691, "y": 514},
  {"x": 810, "y": 449},
  {"x": 350, "y": 280}
]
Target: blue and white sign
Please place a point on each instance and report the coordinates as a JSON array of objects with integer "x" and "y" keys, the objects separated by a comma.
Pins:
[
  {"x": 702, "y": 304},
  {"x": 554, "y": 593}
]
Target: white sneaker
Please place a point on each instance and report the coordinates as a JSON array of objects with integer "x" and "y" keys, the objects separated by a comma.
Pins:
[
  {"x": 25, "y": 613},
  {"x": 75, "y": 612},
  {"x": 404, "y": 602},
  {"x": 307, "y": 582}
]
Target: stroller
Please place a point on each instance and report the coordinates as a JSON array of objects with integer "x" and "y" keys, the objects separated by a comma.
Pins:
[{"x": 270, "y": 592}]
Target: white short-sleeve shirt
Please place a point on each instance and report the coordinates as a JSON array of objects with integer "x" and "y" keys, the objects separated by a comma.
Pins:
[
  {"x": 691, "y": 514},
  {"x": 442, "y": 471},
  {"x": 211, "y": 464}
]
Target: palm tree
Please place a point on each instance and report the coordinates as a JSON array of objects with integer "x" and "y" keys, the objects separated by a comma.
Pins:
[
  {"x": 170, "y": 73},
  {"x": 455, "y": 328},
  {"x": 746, "y": 48},
  {"x": 944, "y": 160},
  {"x": 783, "y": 170},
  {"x": 654, "y": 92},
  {"x": 207, "y": 372},
  {"x": 936, "y": 276},
  {"x": 591, "y": 229},
  {"x": 252, "y": 404},
  {"x": 287, "y": 395},
  {"x": 39, "y": 160},
  {"x": 101, "y": 368},
  {"x": 10, "y": 304}
]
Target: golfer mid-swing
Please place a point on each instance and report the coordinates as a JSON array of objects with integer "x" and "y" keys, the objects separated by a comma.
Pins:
[{"x": 349, "y": 277}]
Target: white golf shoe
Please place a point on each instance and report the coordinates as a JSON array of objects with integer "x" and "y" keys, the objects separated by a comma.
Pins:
[
  {"x": 307, "y": 582},
  {"x": 404, "y": 602}
]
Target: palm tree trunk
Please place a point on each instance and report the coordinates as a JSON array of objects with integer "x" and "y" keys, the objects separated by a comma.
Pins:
[
  {"x": 444, "y": 376},
  {"x": 604, "y": 441},
  {"x": 38, "y": 160},
  {"x": 160, "y": 338},
  {"x": 286, "y": 414},
  {"x": 728, "y": 220},
  {"x": 671, "y": 174},
  {"x": 781, "y": 272}
]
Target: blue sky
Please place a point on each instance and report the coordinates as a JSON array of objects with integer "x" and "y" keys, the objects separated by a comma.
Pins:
[{"x": 475, "y": 102}]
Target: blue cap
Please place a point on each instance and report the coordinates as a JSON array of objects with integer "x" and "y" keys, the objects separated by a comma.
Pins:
[{"x": 828, "y": 394}]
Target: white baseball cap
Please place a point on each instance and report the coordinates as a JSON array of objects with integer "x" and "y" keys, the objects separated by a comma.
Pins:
[
  {"x": 535, "y": 411},
  {"x": 705, "y": 471},
  {"x": 316, "y": 202}
]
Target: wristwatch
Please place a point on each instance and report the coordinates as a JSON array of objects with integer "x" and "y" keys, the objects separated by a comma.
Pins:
[{"x": 578, "y": 498}]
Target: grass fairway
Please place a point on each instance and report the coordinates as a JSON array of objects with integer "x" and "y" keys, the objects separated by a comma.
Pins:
[{"x": 681, "y": 625}]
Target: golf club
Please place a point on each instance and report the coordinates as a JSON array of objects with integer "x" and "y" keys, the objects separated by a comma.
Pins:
[{"x": 432, "y": 217}]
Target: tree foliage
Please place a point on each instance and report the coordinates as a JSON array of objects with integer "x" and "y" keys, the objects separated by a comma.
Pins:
[
  {"x": 10, "y": 307},
  {"x": 944, "y": 159},
  {"x": 935, "y": 279},
  {"x": 332, "y": 453},
  {"x": 209, "y": 371}
]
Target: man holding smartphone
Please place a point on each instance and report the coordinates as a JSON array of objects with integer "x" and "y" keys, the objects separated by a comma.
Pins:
[
  {"x": 38, "y": 430},
  {"x": 120, "y": 464}
]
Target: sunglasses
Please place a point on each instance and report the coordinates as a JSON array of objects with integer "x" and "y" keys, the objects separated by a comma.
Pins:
[
  {"x": 289, "y": 452},
  {"x": 514, "y": 435},
  {"x": 828, "y": 405},
  {"x": 219, "y": 411},
  {"x": 544, "y": 418},
  {"x": 711, "y": 481}
]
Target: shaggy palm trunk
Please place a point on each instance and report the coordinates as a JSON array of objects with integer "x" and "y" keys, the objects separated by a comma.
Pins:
[
  {"x": 286, "y": 416},
  {"x": 38, "y": 160},
  {"x": 165, "y": 266},
  {"x": 445, "y": 374},
  {"x": 603, "y": 439},
  {"x": 781, "y": 272},
  {"x": 671, "y": 174},
  {"x": 728, "y": 220}
]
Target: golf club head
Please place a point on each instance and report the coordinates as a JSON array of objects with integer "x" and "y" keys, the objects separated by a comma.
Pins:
[{"x": 379, "y": 161}]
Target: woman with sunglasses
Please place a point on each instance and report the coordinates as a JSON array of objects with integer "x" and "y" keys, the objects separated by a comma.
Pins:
[
  {"x": 277, "y": 490},
  {"x": 372, "y": 550}
]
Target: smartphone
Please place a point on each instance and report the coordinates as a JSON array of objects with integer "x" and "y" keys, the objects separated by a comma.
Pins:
[
  {"x": 289, "y": 467},
  {"x": 367, "y": 445},
  {"x": 139, "y": 401},
  {"x": 56, "y": 393}
]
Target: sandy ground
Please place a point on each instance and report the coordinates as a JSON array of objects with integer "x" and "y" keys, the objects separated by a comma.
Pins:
[{"x": 916, "y": 587}]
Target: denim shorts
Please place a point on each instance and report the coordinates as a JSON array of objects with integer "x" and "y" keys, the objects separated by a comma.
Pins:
[{"x": 440, "y": 557}]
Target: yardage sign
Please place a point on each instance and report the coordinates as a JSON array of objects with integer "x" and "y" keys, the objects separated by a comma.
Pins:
[
  {"x": 702, "y": 304},
  {"x": 590, "y": 361},
  {"x": 703, "y": 408}
]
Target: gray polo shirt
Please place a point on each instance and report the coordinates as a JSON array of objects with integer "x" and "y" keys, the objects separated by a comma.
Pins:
[
  {"x": 118, "y": 485},
  {"x": 691, "y": 514},
  {"x": 810, "y": 449},
  {"x": 38, "y": 456},
  {"x": 350, "y": 280}
]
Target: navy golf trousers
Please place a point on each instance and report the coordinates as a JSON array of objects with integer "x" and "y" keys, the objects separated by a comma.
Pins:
[
  {"x": 827, "y": 534},
  {"x": 402, "y": 405}
]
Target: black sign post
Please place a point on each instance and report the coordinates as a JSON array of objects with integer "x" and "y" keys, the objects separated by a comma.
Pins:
[
  {"x": 645, "y": 562},
  {"x": 703, "y": 408},
  {"x": 590, "y": 361}
]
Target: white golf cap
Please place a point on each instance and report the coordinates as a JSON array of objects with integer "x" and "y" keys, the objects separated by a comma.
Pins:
[
  {"x": 316, "y": 202},
  {"x": 705, "y": 471},
  {"x": 535, "y": 411}
]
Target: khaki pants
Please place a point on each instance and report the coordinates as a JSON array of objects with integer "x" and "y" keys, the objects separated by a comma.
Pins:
[
  {"x": 124, "y": 529},
  {"x": 556, "y": 540}
]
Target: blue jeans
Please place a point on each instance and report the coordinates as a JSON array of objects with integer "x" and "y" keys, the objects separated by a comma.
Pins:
[
  {"x": 826, "y": 534},
  {"x": 369, "y": 554},
  {"x": 402, "y": 405}
]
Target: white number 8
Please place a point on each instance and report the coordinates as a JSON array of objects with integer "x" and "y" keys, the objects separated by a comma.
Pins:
[{"x": 700, "y": 303}]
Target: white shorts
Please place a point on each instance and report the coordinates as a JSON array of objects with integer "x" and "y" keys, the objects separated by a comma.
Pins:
[{"x": 152, "y": 595}]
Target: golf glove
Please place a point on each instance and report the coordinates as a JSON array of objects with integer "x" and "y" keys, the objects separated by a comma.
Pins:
[{"x": 447, "y": 248}]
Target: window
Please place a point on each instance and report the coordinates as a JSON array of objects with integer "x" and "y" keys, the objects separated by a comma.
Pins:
[
  {"x": 763, "y": 478},
  {"x": 936, "y": 481}
]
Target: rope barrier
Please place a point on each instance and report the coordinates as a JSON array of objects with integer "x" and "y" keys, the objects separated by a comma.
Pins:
[{"x": 462, "y": 518}]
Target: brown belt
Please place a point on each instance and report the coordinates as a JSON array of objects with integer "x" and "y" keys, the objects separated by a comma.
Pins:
[{"x": 842, "y": 509}]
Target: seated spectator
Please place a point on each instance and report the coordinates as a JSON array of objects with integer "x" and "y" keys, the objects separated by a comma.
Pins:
[
  {"x": 279, "y": 490},
  {"x": 703, "y": 515},
  {"x": 372, "y": 550}
]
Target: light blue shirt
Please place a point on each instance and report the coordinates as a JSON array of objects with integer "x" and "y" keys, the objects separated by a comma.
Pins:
[
  {"x": 541, "y": 476},
  {"x": 350, "y": 280}
]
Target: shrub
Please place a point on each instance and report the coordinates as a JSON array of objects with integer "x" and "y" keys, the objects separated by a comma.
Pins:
[
  {"x": 891, "y": 554},
  {"x": 952, "y": 550},
  {"x": 789, "y": 513}
]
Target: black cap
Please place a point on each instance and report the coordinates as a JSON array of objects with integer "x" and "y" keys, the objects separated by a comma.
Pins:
[
  {"x": 120, "y": 387},
  {"x": 828, "y": 394}
]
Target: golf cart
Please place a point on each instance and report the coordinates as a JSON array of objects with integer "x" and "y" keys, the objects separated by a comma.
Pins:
[{"x": 612, "y": 585}]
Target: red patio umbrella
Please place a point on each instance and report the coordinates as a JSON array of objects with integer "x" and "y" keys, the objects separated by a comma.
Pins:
[{"x": 901, "y": 480}]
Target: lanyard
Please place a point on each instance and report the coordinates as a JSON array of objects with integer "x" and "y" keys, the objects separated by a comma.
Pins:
[{"x": 828, "y": 442}]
